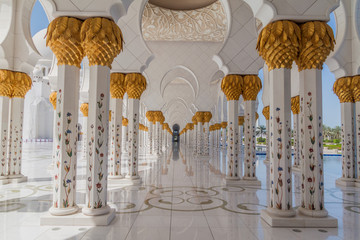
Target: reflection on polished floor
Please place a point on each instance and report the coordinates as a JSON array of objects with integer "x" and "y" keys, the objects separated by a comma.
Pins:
[{"x": 181, "y": 197}]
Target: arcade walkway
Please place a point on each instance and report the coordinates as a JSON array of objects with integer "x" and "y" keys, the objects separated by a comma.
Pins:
[{"x": 181, "y": 197}]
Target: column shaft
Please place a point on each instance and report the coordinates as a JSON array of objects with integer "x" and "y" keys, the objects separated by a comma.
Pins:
[
  {"x": 115, "y": 137},
  {"x": 4, "y": 129},
  {"x": 232, "y": 140},
  {"x": 296, "y": 135},
  {"x": 133, "y": 138},
  {"x": 250, "y": 141}
]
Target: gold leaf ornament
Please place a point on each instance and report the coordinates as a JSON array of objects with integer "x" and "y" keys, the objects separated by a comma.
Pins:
[
  {"x": 117, "y": 85},
  {"x": 240, "y": 120},
  {"x": 317, "y": 41},
  {"x": 84, "y": 108},
  {"x": 21, "y": 84},
  {"x": 266, "y": 112},
  {"x": 251, "y": 87},
  {"x": 343, "y": 89},
  {"x": 102, "y": 40},
  {"x": 355, "y": 85},
  {"x": 232, "y": 86},
  {"x": 135, "y": 85},
  {"x": 52, "y": 99},
  {"x": 295, "y": 104},
  {"x": 63, "y": 38},
  {"x": 278, "y": 44},
  {"x": 6, "y": 80}
]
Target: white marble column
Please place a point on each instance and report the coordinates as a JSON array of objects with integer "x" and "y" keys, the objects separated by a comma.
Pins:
[
  {"x": 124, "y": 134},
  {"x": 206, "y": 138},
  {"x": 135, "y": 86},
  {"x": 280, "y": 143},
  {"x": 357, "y": 114},
  {"x": 67, "y": 104},
  {"x": 15, "y": 138},
  {"x": 223, "y": 135},
  {"x": 157, "y": 138},
  {"x": 347, "y": 145},
  {"x": 98, "y": 127},
  {"x": 266, "y": 113},
  {"x": 296, "y": 134},
  {"x": 151, "y": 137},
  {"x": 4, "y": 129},
  {"x": 199, "y": 143},
  {"x": 116, "y": 105},
  {"x": 84, "y": 108},
  {"x": 232, "y": 141},
  {"x": 311, "y": 138},
  {"x": 250, "y": 141}
]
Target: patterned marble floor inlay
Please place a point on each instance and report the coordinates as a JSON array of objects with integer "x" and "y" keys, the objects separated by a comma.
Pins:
[{"x": 179, "y": 198}]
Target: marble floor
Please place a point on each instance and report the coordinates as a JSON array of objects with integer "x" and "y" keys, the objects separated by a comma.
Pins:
[{"x": 181, "y": 197}]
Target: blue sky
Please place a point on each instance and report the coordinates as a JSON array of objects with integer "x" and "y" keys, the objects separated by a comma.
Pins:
[{"x": 331, "y": 105}]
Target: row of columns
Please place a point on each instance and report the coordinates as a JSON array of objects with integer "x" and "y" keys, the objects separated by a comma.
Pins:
[{"x": 13, "y": 88}]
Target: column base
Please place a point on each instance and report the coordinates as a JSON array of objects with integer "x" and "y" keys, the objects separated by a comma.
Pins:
[
  {"x": 77, "y": 219},
  {"x": 234, "y": 182},
  {"x": 132, "y": 180},
  {"x": 266, "y": 162},
  {"x": 63, "y": 211},
  {"x": 357, "y": 183},
  {"x": 115, "y": 177},
  {"x": 298, "y": 221},
  {"x": 345, "y": 182},
  {"x": 4, "y": 181},
  {"x": 312, "y": 213},
  {"x": 17, "y": 178},
  {"x": 251, "y": 181},
  {"x": 296, "y": 168}
]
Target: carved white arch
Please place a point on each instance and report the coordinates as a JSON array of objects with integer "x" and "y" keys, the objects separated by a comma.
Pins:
[{"x": 170, "y": 75}]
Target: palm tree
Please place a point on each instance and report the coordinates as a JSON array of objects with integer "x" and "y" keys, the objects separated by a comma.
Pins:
[{"x": 260, "y": 131}]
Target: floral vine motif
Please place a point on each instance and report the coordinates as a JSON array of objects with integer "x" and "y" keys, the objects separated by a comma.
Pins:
[
  {"x": 67, "y": 164},
  {"x": 9, "y": 149},
  {"x": 358, "y": 139},
  {"x": 311, "y": 156},
  {"x": 271, "y": 163},
  {"x": 58, "y": 140},
  {"x": 233, "y": 163},
  {"x": 90, "y": 163},
  {"x": 99, "y": 150},
  {"x": 248, "y": 145},
  {"x": 279, "y": 185},
  {"x": 3, "y": 154}
]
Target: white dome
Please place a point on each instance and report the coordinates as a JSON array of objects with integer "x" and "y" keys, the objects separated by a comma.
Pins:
[{"x": 39, "y": 40}]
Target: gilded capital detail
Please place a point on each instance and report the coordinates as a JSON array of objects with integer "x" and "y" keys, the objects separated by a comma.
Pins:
[
  {"x": 317, "y": 41},
  {"x": 342, "y": 88},
  {"x": 6, "y": 80},
  {"x": 232, "y": 86},
  {"x": 240, "y": 120},
  {"x": 102, "y": 40},
  {"x": 52, "y": 99},
  {"x": 355, "y": 85},
  {"x": 266, "y": 112},
  {"x": 117, "y": 85},
  {"x": 251, "y": 87},
  {"x": 279, "y": 43},
  {"x": 135, "y": 85},
  {"x": 295, "y": 104},
  {"x": 21, "y": 84},
  {"x": 63, "y": 38},
  {"x": 84, "y": 108},
  {"x": 224, "y": 124}
]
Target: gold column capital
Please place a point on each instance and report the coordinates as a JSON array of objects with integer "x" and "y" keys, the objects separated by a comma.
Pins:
[
  {"x": 279, "y": 43},
  {"x": 117, "y": 85},
  {"x": 84, "y": 108},
  {"x": 21, "y": 84},
  {"x": 6, "y": 80},
  {"x": 200, "y": 117},
  {"x": 135, "y": 85},
  {"x": 295, "y": 104},
  {"x": 52, "y": 99},
  {"x": 150, "y": 115},
  {"x": 194, "y": 120},
  {"x": 207, "y": 116},
  {"x": 251, "y": 87},
  {"x": 356, "y": 88},
  {"x": 317, "y": 41},
  {"x": 102, "y": 40},
  {"x": 232, "y": 86},
  {"x": 342, "y": 88},
  {"x": 224, "y": 124},
  {"x": 240, "y": 120},
  {"x": 125, "y": 122},
  {"x": 63, "y": 38},
  {"x": 266, "y": 112},
  {"x": 256, "y": 116}
]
